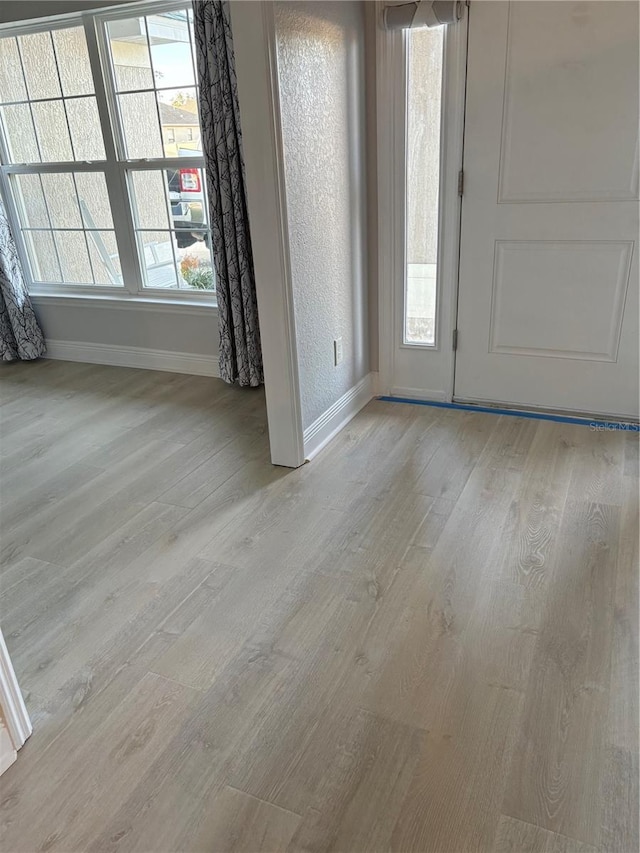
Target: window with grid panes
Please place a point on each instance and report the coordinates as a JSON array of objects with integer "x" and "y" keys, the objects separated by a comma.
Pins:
[{"x": 102, "y": 166}]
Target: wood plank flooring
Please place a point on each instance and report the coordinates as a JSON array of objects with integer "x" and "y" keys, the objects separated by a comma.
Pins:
[{"x": 425, "y": 640}]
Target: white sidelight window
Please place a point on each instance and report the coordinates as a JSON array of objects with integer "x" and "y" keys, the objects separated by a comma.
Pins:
[
  {"x": 424, "y": 107},
  {"x": 102, "y": 167},
  {"x": 420, "y": 77}
]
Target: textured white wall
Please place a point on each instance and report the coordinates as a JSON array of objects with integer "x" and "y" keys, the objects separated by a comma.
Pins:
[{"x": 321, "y": 77}]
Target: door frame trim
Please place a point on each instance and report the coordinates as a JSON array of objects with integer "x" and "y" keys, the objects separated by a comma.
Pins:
[
  {"x": 12, "y": 704},
  {"x": 391, "y": 187},
  {"x": 390, "y": 112},
  {"x": 257, "y": 72}
]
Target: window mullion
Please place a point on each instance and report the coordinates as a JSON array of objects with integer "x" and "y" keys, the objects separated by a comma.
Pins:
[
  {"x": 12, "y": 214},
  {"x": 154, "y": 91},
  {"x": 114, "y": 171},
  {"x": 51, "y": 231},
  {"x": 84, "y": 228},
  {"x": 62, "y": 95},
  {"x": 26, "y": 89},
  {"x": 193, "y": 56}
]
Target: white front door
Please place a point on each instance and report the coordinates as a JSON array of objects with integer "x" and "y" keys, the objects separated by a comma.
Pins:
[{"x": 548, "y": 293}]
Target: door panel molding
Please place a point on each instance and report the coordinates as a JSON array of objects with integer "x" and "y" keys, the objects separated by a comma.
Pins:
[
  {"x": 567, "y": 319},
  {"x": 559, "y": 49}
]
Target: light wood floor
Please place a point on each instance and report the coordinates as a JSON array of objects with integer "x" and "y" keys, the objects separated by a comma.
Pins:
[{"x": 425, "y": 640}]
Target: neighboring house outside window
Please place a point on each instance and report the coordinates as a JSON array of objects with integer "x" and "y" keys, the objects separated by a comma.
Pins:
[
  {"x": 179, "y": 126},
  {"x": 102, "y": 165}
]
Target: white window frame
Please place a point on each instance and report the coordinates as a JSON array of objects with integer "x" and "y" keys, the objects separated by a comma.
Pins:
[
  {"x": 116, "y": 167},
  {"x": 416, "y": 370}
]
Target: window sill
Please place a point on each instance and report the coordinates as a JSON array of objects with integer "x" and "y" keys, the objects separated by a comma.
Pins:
[{"x": 183, "y": 305}]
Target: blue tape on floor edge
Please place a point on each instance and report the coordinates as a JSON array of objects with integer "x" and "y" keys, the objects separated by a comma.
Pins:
[{"x": 514, "y": 413}]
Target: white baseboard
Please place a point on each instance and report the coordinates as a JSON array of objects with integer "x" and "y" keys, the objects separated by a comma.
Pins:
[
  {"x": 337, "y": 416},
  {"x": 7, "y": 753},
  {"x": 148, "y": 359}
]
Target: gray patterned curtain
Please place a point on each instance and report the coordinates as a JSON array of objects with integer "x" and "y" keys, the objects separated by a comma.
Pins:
[
  {"x": 240, "y": 351},
  {"x": 20, "y": 335}
]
